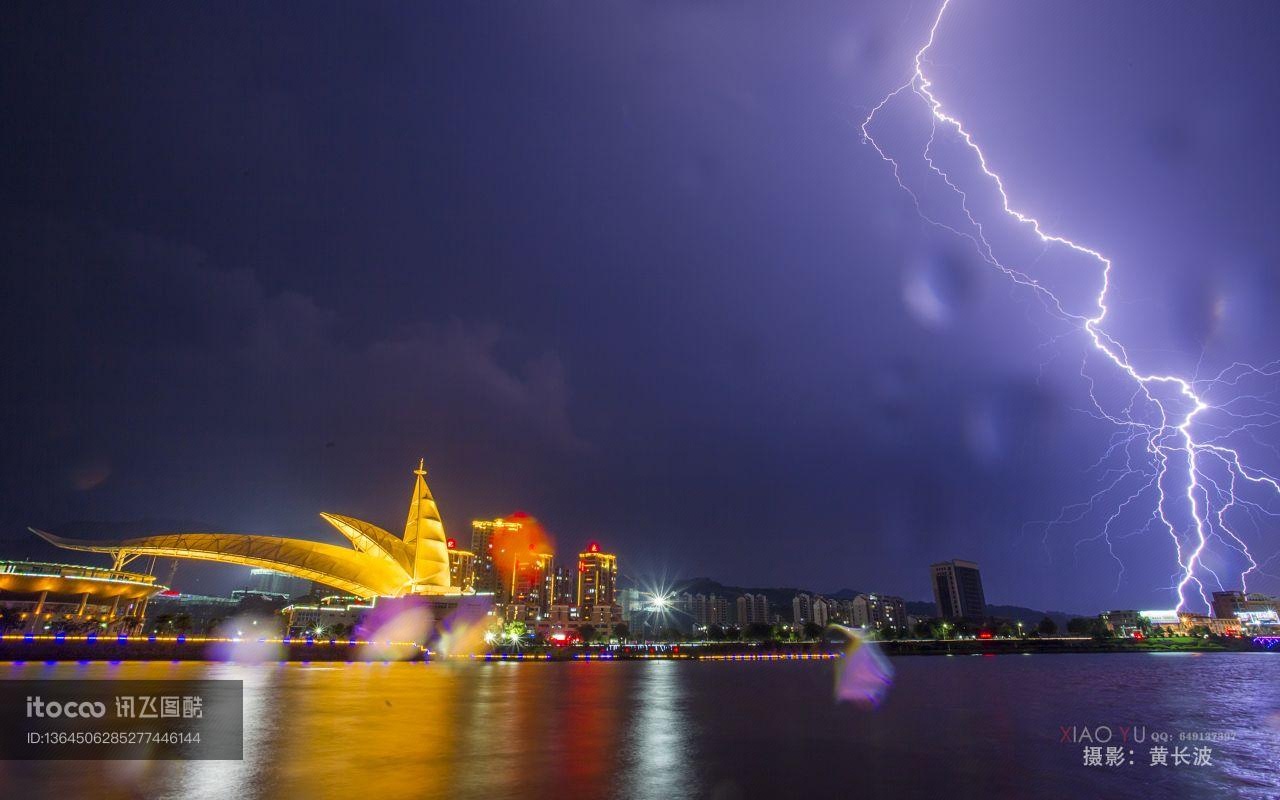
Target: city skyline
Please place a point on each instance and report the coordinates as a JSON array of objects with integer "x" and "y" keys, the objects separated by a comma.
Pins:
[
  {"x": 481, "y": 567},
  {"x": 541, "y": 592}
]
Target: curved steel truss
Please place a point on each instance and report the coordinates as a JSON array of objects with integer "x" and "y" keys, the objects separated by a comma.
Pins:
[{"x": 378, "y": 565}]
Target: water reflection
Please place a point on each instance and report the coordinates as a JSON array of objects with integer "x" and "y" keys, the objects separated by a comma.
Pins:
[
  {"x": 214, "y": 779},
  {"x": 659, "y": 742},
  {"x": 589, "y": 724},
  {"x": 971, "y": 727}
]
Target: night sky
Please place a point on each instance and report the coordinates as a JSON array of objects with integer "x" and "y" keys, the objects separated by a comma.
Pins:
[{"x": 629, "y": 268}]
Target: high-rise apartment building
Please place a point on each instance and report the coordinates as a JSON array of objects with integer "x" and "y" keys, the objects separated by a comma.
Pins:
[
  {"x": 879, "y": 611},
  {"x": 597, "y": 577},
  {"x": 482, "y": 544},
  {"x": 564, "y": 586},
  {"x": 753, "y": 609},
  {"x": 822, "y": 610},
  {"x": 528, "y": 595},
  {"x": 709, "y": 610},
  {"x": 802, "y": 609}
]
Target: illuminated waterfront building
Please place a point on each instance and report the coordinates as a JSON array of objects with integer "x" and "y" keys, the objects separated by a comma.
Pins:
[
  {"x": 597, "y": 593},
  {"x": 1184, "y": 623},
  {"x": 1255, "y": 621},
  {"x": 462, "y": 566},
  {"x": 523, "y": 564},
  {"x": 603, "y": 617},
  {"x": 376, "y": 564},
  {"x": 564, "y": 616},
  {"x": 483, "y": 532},
  {"x": 332, "y": 617},
  {"x": 1220, "y": 627},
  {"x": 39, "y": 596},
  {"x": 597, "y": 577},
  {"x": 1122, "y": 622},
  {"x": 273, "y": 582},
  {"x": 171, "y": 612},
  {"x": 957, "y": 590},
  {"x": 396, "y": 573},
  {"x": 564, "y": 586},
  {"x": 527, "y": 594},
  {"x": 1231, "y": 605},
  {"x": 879, "y": 611},
  {"x": 1164, "y": 619}
]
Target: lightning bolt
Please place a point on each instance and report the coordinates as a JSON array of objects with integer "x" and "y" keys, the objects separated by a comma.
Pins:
[{"x": 1175, "y": 445}]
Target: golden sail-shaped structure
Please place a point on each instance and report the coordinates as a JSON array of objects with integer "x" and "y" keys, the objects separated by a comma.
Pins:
[
  {"x": 377, "y": 565},
  {"x": 424, "y": 538}
]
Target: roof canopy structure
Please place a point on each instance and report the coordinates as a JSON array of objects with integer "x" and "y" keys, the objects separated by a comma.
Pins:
[
  {"x": 379, "y": 564},
  {"x": 96, "y": 583}
]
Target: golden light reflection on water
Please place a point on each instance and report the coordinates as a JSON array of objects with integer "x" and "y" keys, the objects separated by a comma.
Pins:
[{"x": 376, "y": 730}]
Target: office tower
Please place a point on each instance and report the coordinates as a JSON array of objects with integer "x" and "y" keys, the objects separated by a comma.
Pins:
[
  {"x": 957, "y": 590},
  {"x": 1232, "y": 604}
]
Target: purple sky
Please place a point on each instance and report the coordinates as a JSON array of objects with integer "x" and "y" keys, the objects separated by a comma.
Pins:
[{"x": 628, "y": 268}]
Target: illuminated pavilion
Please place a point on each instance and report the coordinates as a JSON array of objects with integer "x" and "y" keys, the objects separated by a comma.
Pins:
[
  {"x": 378, "y": 564},
  {"x": 36, "y": 595}
]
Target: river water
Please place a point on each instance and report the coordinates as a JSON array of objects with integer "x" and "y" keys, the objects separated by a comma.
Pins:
[{"x": 954, "y": 727}]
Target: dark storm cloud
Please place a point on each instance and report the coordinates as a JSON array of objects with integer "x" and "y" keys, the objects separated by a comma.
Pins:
[
  {"x": 158, "y": 323},
  {"x": 627, "y": 267},
  {"x": 160, "y": 352}
]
